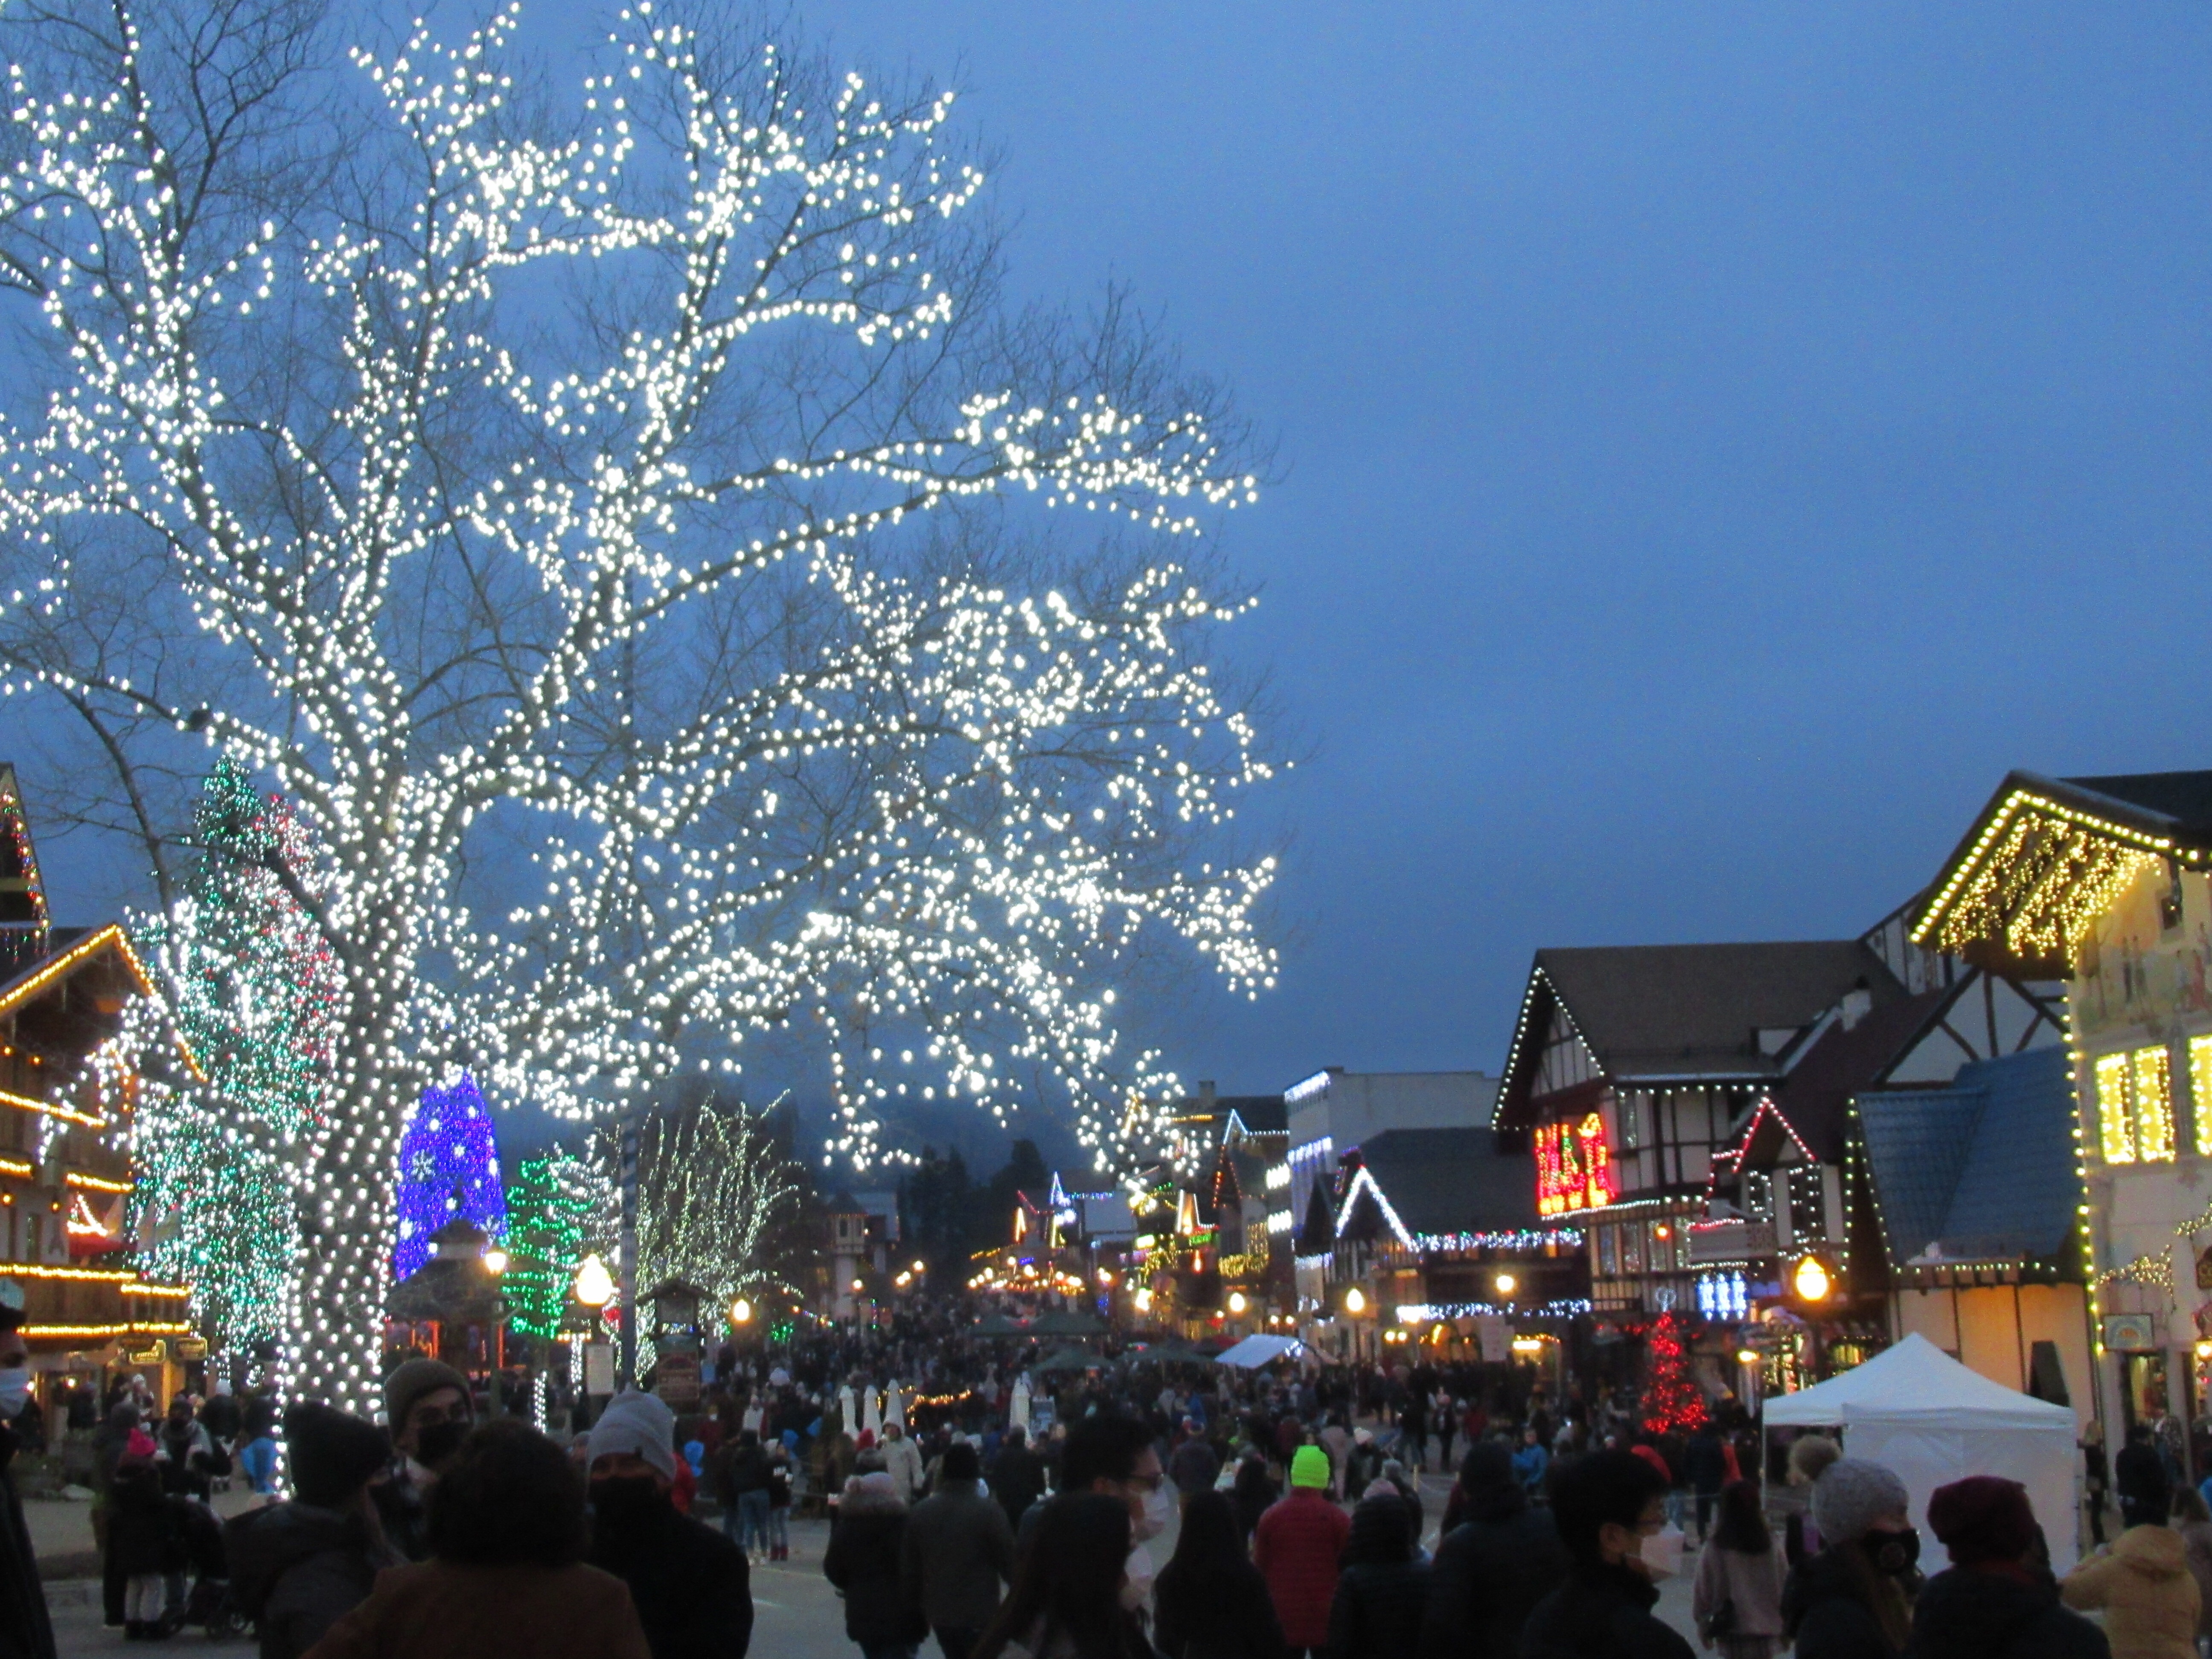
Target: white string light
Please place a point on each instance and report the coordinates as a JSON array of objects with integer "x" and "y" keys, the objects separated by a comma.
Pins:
[{"x": 691, "y": 592}]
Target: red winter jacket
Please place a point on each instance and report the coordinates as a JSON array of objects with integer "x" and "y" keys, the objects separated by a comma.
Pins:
[{"x": 1296, "y": 1547}]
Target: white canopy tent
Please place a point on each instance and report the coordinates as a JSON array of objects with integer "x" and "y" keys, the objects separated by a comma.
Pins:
[
  {"x": 1919, "y": 1411},
  {"x": 1255, "y": 1351}
]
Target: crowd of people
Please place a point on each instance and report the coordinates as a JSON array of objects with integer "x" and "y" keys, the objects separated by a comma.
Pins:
[{"x": 1154, "y": 1511}]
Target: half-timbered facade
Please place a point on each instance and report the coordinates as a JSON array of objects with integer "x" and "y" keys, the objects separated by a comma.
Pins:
[
  {"x": 1780, "y": 1193},
  {"x": 1633, "y": 1066}
]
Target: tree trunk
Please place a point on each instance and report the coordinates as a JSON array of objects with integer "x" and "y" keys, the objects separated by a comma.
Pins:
[{"x": 336, "y": 1350}]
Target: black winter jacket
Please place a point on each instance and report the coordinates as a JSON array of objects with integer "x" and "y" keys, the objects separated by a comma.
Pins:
[
  {"x": 25, "y": 1631},
  {"x": 1489, "y": 1575},
  {"x": 1017, "y": 1481},
  {"x": 296, "y": 1569},
  {"x": 1601, "y": 1612},
  {"x": 1377, "y": 1610},
  {"x": 1825, "y": 1613},
  {"x": 957, "y": 1549},
  {"x": 690, "y": 1583},
  {"x": 863, "y": 1560},
  {"x": 1225, "y": 1615},
  {"x": 1967, "y": 1613}
]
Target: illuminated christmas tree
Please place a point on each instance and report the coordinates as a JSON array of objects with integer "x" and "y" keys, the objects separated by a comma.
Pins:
[
  {"x": 1671, "y": 1401},
  {"x": 547, "y": 1210},
  {"x": 251, "y": 985},
  {"x": 448, "y": 1167}
]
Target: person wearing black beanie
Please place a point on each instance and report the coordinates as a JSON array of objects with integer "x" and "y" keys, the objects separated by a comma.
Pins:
[{"x": 296, "y": 1568}]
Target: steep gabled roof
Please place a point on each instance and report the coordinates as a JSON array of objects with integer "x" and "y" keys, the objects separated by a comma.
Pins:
[
  {"x": 1816, "y": 1096},
  {"x": 1984, "y": 1170},
  {"x": 2006, "y": 894},
  {"x": 1664, "y": 1013},
  {"x": 1445, "y": 1180},
  {"x": 1259, "y": 1114}
]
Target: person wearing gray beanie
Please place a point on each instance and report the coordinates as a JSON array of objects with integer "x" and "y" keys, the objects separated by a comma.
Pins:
[
  {"x": 1853, "y": 1600},
  {"x": 691, "y": 1586},
  {"x": 1853, "y": 1495},
  {"x": 640, "y": 1425}
]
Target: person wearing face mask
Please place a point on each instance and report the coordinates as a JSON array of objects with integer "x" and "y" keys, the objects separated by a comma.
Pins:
[
  {"x": 1068, "y": 1599},
  {"x": 1854, "y": 1599},
  {"x": 24, "y": 1628},
  {"x": 690, "y": 1583},
  {"x": 1114, "y": 1455},
  {"x": 1296, "y": 1547},
  {"x": 428, "y": 1407},
  {"x": 1610, "y": 1508}
]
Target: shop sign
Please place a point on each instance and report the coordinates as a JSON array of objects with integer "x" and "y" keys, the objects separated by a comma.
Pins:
[
  {"x": 2204, "y": 1269},
  {"x": 2131, "y": 1333},
  {"x": 1574, "y": 1167},
  {"x": 675, "y": 1380},
  {"x": 191, "y": 1347}
]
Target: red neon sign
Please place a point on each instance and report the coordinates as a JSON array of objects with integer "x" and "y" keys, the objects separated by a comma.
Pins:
[{"x": 1574, "y": 1167}]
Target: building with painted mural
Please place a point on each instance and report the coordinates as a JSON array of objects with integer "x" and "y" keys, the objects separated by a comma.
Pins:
[{"x": 2106, "y": 883}]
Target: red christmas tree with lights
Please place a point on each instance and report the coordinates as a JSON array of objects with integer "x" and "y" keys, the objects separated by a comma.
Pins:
[{"x": 1672, "y": 1402}]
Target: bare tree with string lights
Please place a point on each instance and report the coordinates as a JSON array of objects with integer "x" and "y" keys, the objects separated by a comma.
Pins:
[{"x": 688, "y": 604}]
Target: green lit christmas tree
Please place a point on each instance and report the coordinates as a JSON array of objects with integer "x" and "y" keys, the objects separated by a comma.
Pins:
[
  {"x": 251, "y": 985},
  {"x": 547, "y": 1208}
]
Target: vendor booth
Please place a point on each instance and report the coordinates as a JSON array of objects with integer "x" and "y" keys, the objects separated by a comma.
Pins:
[
  {"x": 1916, "y": 1410},
  {"x": 1255, "y": 1351}
]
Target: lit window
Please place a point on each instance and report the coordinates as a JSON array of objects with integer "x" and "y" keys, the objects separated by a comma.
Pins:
[
  {"x": 2135, "y": 1107},
  {"x": 2200, "y": 1083},
  {"x": 2115, "y": 1134},
  {"x": 2153, "y": 1105}
]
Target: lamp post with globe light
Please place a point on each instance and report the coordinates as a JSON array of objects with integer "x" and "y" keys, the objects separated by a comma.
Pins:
[{"x": 594, "y": 1287}]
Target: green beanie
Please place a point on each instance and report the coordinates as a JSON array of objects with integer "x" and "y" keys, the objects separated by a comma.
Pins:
[{"x": 1309, "y": 1467}]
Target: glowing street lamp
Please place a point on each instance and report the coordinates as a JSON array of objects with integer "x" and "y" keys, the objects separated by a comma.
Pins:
[
  {"x": 741, "y": 1312},
  {"x": 595, "y": 1286},
  {"x": 1355, "y": 1300},
  {"x": 1237, "y": 1301},
  {"x": 494, "y": 1262},
  {"x": 1811, "y": 1280}
]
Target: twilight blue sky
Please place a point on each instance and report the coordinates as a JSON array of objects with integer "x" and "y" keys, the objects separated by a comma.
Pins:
[{"x": 1720, "y": 439}]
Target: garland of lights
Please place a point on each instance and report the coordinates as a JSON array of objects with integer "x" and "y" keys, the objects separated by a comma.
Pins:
[
  {"x": 1524, "y": 1241},
  {"x": 251, "y": 987},
  {"x": 926, "y": 824}
]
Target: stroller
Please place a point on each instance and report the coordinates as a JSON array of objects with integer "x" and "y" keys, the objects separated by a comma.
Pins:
[{"x": 208, "y": 1604}]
